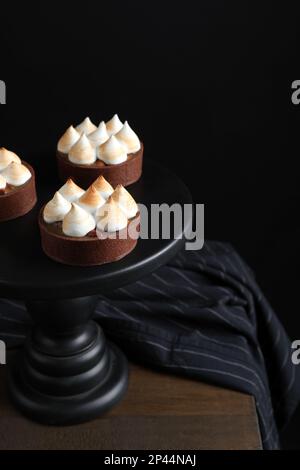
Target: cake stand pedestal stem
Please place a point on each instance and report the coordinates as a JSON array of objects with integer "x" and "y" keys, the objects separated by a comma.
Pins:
[{"x": 67, "y": 372}]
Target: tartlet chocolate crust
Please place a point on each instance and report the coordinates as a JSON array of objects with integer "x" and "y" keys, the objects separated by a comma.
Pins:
[
  {"x": 19, "y": 200},
  {"x": 88, "y": 250},
  {"x": 124, "y": 173}
]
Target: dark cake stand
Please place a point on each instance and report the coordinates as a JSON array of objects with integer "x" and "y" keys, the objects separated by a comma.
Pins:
[{"x": 67, "y": 372}]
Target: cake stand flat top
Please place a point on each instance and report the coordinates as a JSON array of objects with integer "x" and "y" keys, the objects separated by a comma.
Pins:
[{"x": 27, "y": 273}]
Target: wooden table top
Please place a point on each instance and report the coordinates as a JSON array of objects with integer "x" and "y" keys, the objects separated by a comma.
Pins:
[{"x": 160, "y": 411}]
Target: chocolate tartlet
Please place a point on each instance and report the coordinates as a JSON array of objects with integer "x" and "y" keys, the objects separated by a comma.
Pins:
[
  {"x": 17, "y": 186},
  {"x": 88, "y": 228},
  {"x": 112, "y": 150}
]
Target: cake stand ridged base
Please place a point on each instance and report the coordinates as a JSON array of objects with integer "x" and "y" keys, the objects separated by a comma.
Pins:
[{"x": 67, "y": 373}]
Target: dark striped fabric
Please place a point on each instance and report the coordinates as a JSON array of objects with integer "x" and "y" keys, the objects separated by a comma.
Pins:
[{"x": 204, "y": 316}]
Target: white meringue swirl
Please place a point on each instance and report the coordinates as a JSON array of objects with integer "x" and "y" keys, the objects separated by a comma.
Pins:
[
  {"x": 103, "y": 187},
  {"x": 91, "y": 200},
  {"x": 6, "y": 157},
  {"x": 110, "y": 218},
  {"x": 67, "y": 140},
  {"x": 86, "y": 126},
  {"x": 114, "y": 125},
  {"x": 99, "y": 136},
  {"x": 128, "y": 138},
  {"x": 83, "y": 153},
  {"x": 71, "y": 191},
  {"x": 125, "y": 201},
  {"x": 16, "y": 174},
  {"x": 78, "y": 222},
  {"x": 112, "y": 152},
  {"x": 56, "y": 209}
]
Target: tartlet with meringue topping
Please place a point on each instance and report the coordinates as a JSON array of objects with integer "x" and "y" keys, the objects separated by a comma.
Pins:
[
  {"x": 89, "y": 228},
  {"x": 17, "y": 186},
  {"x": 112, "y": 150}
]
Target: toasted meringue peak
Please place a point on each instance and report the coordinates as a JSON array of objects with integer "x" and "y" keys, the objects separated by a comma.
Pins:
[
  {"x": 112, "y": 152},
  {"x": 103, "y": 187},
  {"x": 99, "y": 136},
  {"x": 125, "y": 201},
  {"x": 16, "y": 174},
  {"x": 114, "y": 125},
  {"x": 128, "y": 138},
  {"x": 110, "y": 218},
  {"x": 68, "y": 139},
  {"x": 91, "y": 200},
  {"x": 78, "y": 222},
  {"x": 71, "y": 191},
  {"x": 56, "y": 209},
  {"x": 6, "y": 157},
  {"x": 82, "y": 153},
  {"x": 86, "y": 126},
  {"x": 2, "y": 182}
]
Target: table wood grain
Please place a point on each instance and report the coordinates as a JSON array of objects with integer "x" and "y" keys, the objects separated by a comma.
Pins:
[{"x": 160, "y": 411}]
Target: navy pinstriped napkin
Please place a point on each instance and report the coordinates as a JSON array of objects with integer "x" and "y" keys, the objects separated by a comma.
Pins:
[{"x": 204, "y": 316}]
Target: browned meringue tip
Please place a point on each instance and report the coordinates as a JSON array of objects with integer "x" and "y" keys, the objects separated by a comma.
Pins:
[
  {"x": 119, "y": 187},
  {"x": 114, "y": 124},
  {"x": 72, "y": 183},
  {"x": 110, "y": 200},
  {"x": 9, "y": 154},
  {"x": 91, "y": 197},
  {"x": 71, "y": 191},
  {"x": 87, "y": 126},
  {"x": 110, "y": 207},
  {"x": 110, "y": 217},
  {"x": 126, "y": 202},
  {"x": 102, "y": 184},
  {"x": 16, "y": 173},
  {"x": 68, "y": 139},
  {"x": 121, "y": 192}
]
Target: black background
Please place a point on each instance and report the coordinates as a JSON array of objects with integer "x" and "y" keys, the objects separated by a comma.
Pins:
[{"x": 207, "y": 85}]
